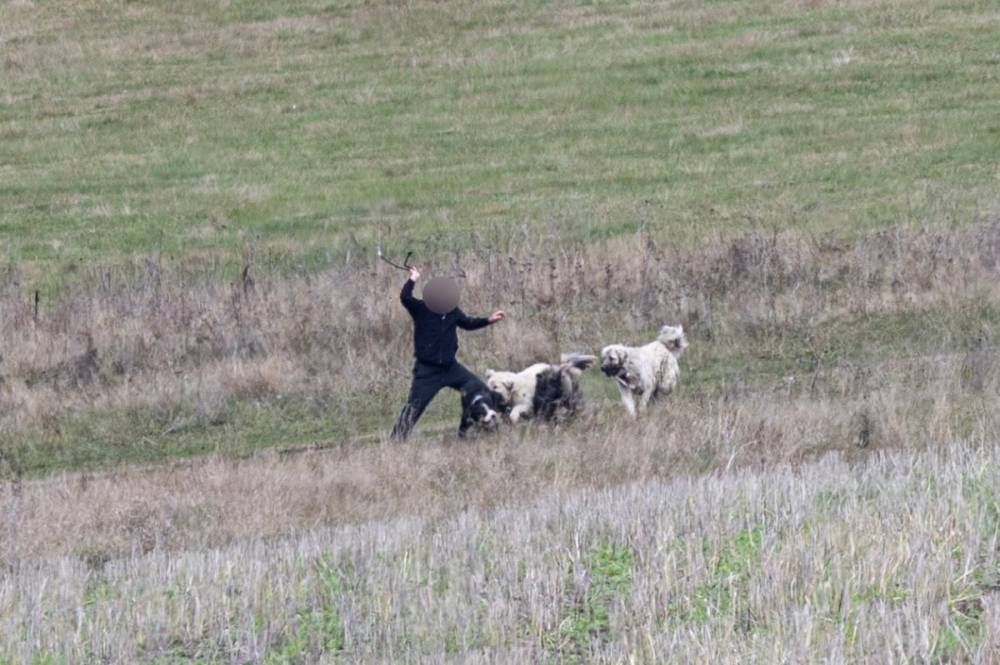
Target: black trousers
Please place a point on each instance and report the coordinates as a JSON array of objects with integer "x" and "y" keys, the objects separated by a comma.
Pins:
[{"x": 428, "y": 380}]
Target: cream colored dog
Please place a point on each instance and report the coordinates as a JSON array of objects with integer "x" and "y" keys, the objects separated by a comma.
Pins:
[
  {"x": 552, "y": 390},
  {"x": 648, "y": 371}
]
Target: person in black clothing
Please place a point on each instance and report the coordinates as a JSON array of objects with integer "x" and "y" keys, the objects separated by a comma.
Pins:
[{"x": 435, "y": 341}]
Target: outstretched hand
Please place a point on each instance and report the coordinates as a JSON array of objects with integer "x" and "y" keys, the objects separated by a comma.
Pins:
[
  {"x": 498, "y": 315},
  {"x": 414, "y": 273}
]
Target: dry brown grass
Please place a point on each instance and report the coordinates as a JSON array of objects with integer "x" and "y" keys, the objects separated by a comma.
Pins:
[
  {"x": 150, "y": 338},
  {"x": 208, "y": 503}
]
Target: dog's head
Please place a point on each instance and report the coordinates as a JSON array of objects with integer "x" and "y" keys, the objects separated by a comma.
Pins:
[
  {"x": 613, "y": 359},
  {"x": 674, "y": 339},
  {"x": 482, "y": 410},
  {"x": 501, "y": 384}
]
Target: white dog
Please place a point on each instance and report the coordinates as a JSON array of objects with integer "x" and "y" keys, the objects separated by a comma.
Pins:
[
  {"x": 645, "y": 371},
  {"x": 542, "y": 388}
]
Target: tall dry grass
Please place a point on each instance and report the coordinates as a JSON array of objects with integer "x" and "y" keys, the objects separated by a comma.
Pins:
[
  {"x": 215, "y": 501},
  {"x": 151, "y": 338}
]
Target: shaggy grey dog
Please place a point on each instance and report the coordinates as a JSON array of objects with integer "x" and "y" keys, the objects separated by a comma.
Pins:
[{"x": 645, "y": 372}]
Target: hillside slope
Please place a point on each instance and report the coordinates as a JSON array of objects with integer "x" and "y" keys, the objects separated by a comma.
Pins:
[{"x": 194, "y": 130}]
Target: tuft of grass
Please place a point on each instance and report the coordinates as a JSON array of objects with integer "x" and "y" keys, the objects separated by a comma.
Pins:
[
  {"x": 733, "y": 563},
  {"x": 586, "y": 620}
]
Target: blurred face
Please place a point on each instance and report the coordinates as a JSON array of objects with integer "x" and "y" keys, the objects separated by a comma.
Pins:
[{"x": 441, "y": 295}]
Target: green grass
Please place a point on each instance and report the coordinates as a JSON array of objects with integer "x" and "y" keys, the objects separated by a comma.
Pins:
[
  {"x": 193, "y": 129},
  {"x": 96, "y": 440},
  {"x": 608, "y": 569},
  {"x": 731, "y": 566},
  {"x": 318, "y": 629}
]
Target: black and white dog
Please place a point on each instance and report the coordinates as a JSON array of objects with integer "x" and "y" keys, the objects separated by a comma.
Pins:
[{"x": 479, "y": 408}]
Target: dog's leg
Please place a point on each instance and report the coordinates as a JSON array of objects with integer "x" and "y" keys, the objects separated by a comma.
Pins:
[
  {"x": 520, "y": 411},
  {"x": 464, "y": 426},
  {"x": 644, "y": 399},
  {"x": 627, "y": 399}
]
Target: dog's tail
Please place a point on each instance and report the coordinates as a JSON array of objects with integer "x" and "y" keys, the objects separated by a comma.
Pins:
[
  {"x": 576, "y": 361},
  {"x": 673, "y": 338}
]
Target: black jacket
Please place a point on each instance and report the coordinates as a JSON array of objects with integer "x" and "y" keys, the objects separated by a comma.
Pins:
[{"x": 435, "y": 339}]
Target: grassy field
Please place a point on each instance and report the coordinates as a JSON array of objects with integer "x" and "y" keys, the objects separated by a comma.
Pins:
[
  {"x": 159, "y": 369},
  {"x": 195, "y": 129},
  {"x": 200, "y": 356}
]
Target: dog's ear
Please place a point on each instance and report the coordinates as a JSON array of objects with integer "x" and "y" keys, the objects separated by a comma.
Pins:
[
  {"x": 499, "y": 402},
  {"x": 489, "y": 373}
]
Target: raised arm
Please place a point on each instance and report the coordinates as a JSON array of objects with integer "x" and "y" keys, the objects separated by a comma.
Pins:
[{"x": 406, "y": 295}]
